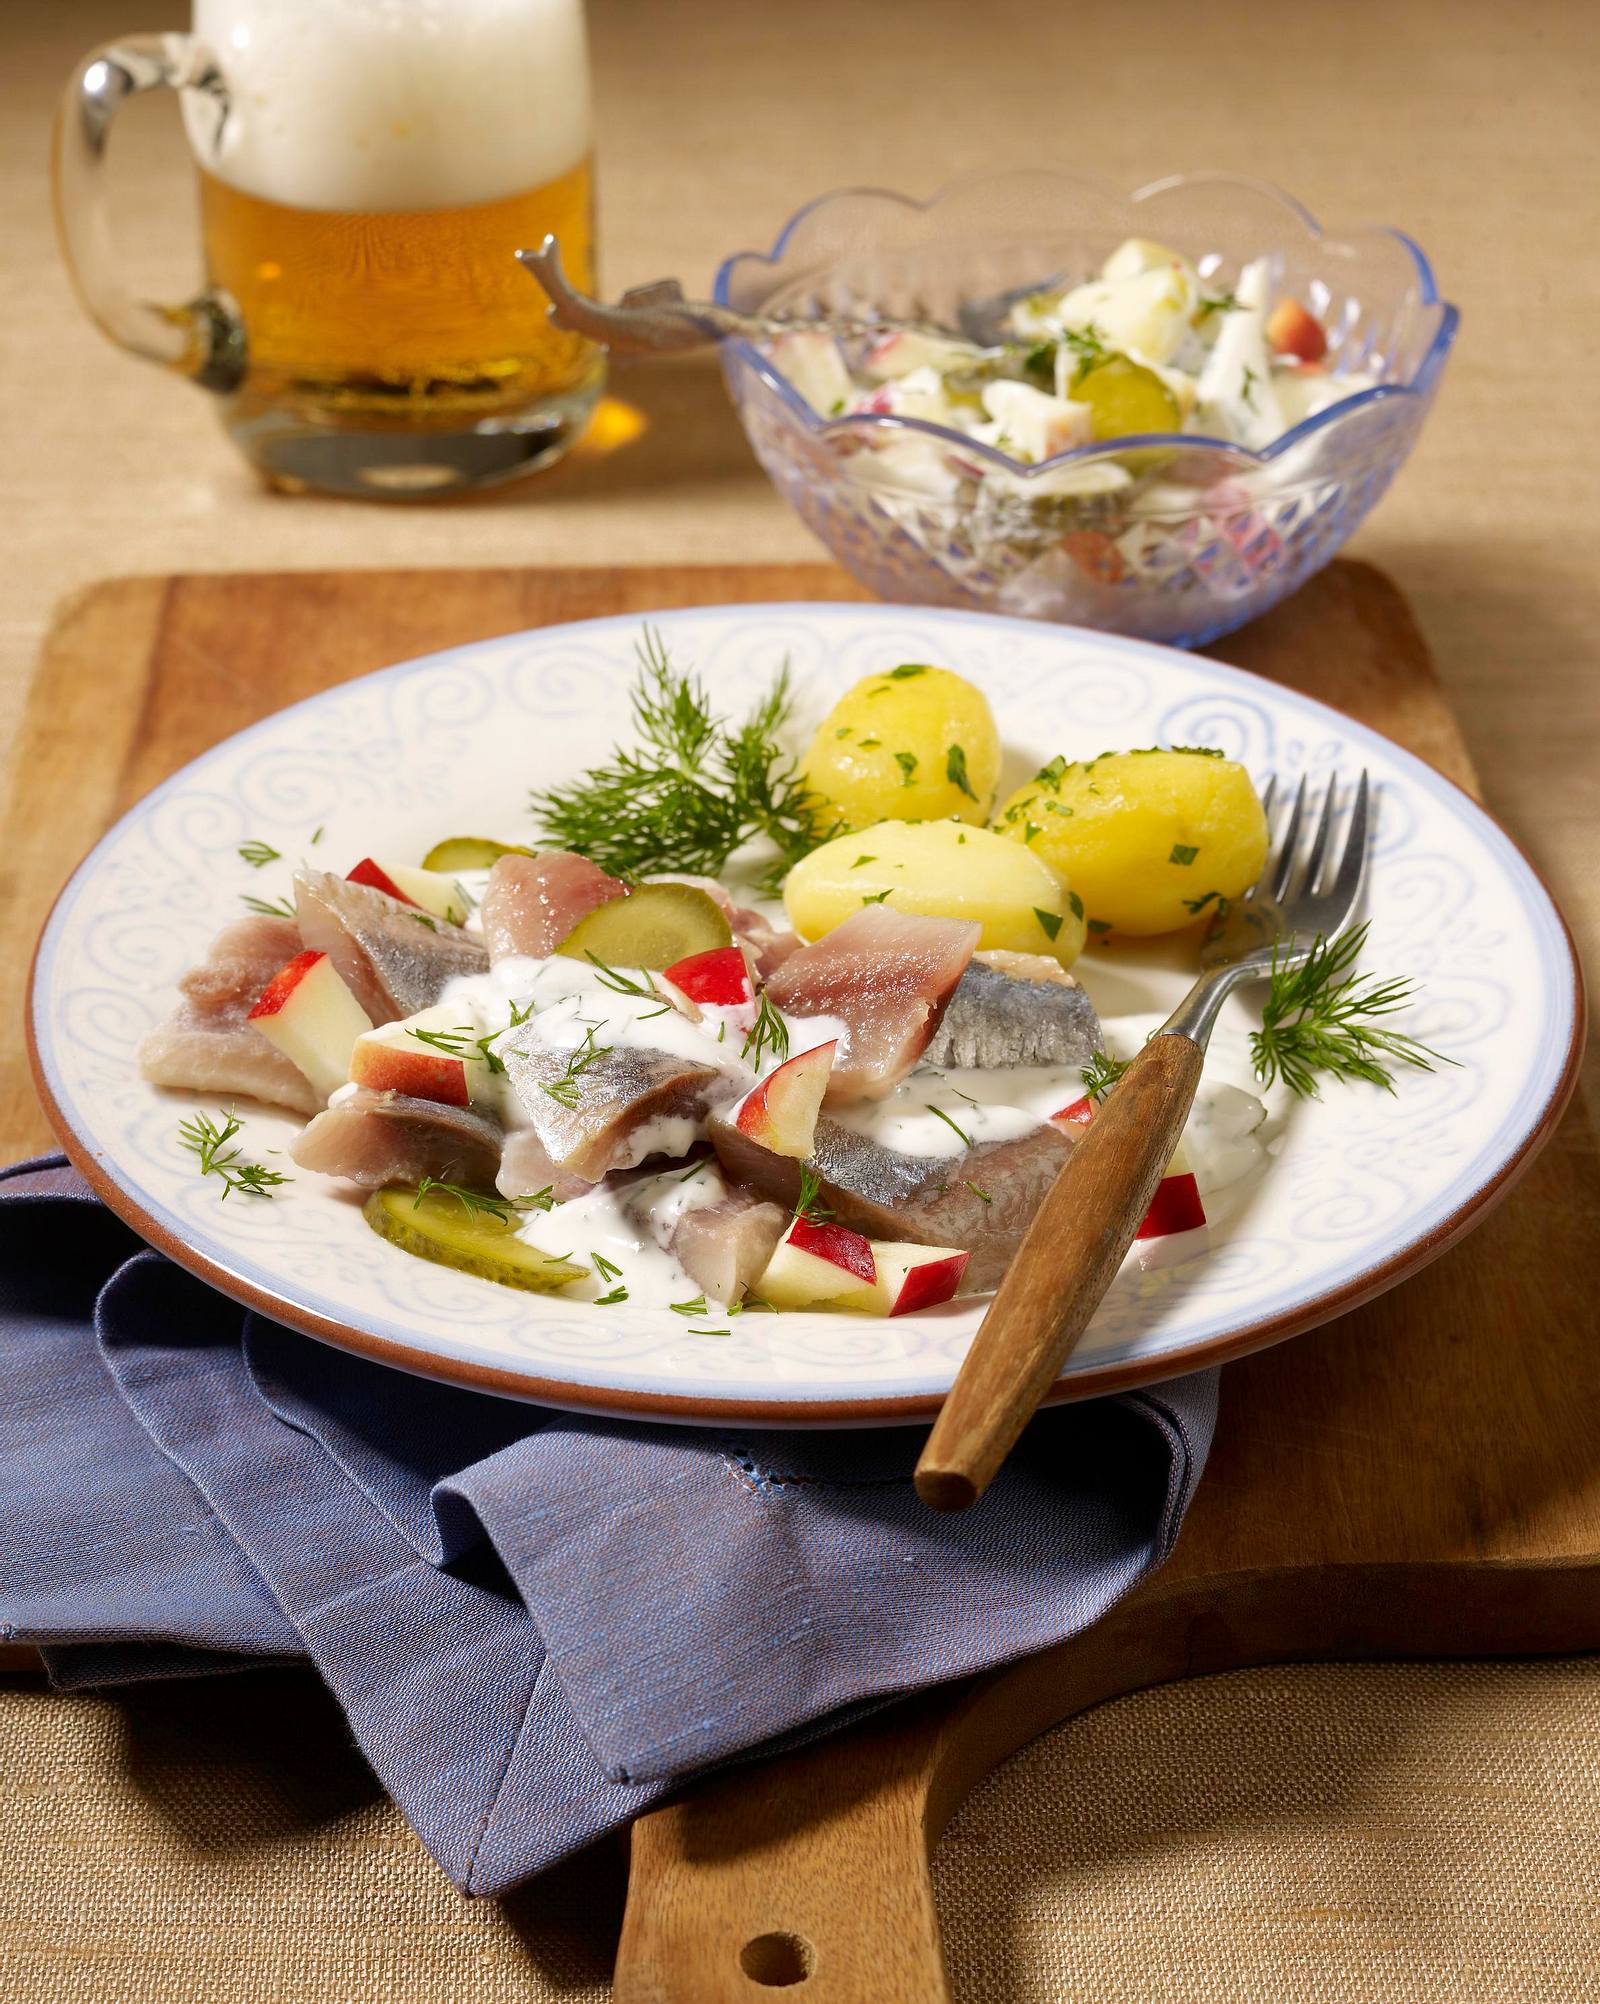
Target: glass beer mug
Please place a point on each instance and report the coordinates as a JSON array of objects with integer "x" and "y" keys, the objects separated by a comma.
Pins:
[{"x": 367, "y": 169}]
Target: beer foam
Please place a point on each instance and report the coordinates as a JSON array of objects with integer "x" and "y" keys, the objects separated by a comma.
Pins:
[{"x": 392, "y": 104}]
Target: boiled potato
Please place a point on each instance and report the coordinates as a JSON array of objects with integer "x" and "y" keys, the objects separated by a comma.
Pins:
[
  {"x": 1149, "y": 840},
  {"x": 916, "y": 744},
  {"x": 941, "y": 870}
]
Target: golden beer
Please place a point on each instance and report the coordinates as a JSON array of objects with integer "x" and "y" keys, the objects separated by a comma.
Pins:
[{"x": 410, "y": 312}]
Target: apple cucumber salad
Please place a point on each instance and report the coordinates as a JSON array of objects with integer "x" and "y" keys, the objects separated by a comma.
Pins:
[{"x": 602, "y": 1064}]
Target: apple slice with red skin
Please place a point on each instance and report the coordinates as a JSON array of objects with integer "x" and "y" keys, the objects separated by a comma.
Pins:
[
  {"x": 817, "y": 1265},
  {"x": 309, "y": 1014},
  {"x": 429, "y": 890},
  {"x": 391, "y": 1059},
  {"x": 720, "y": 978},
  {"x": 781, "y": 1112},
  {"x": 912, "y": 1277},
  {"x": 1292, "y": 330},
  {"x": 1176, "y": 1205}
]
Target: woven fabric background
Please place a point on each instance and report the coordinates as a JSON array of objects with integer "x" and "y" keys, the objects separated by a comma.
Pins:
[{"x": 1403, "y": 1832}]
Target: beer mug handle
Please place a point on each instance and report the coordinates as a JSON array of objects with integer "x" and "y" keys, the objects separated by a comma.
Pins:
[{"x": 204, "y": 338}]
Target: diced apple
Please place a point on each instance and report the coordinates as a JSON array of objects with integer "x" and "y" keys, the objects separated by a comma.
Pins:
[
  {"x": 818, "y": 1264},
  {"x": 781, "y": 1112},
  {"x": 815, "y": 367},
  {"x": 912, "y": 1277},
  {"x": 899, "y": 354},
  {"x": 1033, "y": 425},
  {"x": 429, "y": 890},
  {"x": 309, "y": 1014},
  {"x": 1292, "y": 330},
  {"x": 720, "y": 977},
  {"x": 394, "y": 1059}
]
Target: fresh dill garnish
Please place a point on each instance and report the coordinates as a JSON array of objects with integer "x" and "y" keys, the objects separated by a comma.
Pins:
[
  {"x": 1030, "y": 831},
  {"x": 1051, "y": 774},
  {"x": 769, "y": 1032},
  {"x": 695, "y": 1307},
  {"x": 423, "y": 918},
  {"x": 1321, "y": 1018},
  {"x": 1198, "y": 905},
  {"x": 464, "y": 1043},
  {"x": 1075, "y": 905},
  {"x": 1100, "y": 927},
  {"x": 259, "y": 854},
  {"x": 207, "y": 1139},
  {"x": 1247, "y": 386},
  {"x": 317, "y": 837},
  {"x": 695, "y": 789},
  {"x": 907, "y": 669},
  {"x": 870, "y": 744},
  {"x": 1182, "y": 854},
  {"x": 620, "y": 983},
  {"x": 860, "y": 860},
  {"x": 982, "y": 1195},
  {"x": 955, "y": 770},
  {"x": 474, "y": 1202},
  {"x": 1039, "y": 364},
  {"x": 1049, "y": 922},
  {"x": 268, "y": 907},
  {"x": 565, "y": 1090},
  {"x": 940, "y": 1114},
  {"x": 1216, "y": 302},
  {"x": 710, "y": 1332},
  {"x": 605, "y": 1268},
  {"x": 844, "y": 730},
  {"x": 808, "y": 1205},
  {"x": 697, "y": 1169},
  {"x": 875, "y": 897},
  {"x": 610, "y": 1300},
  {"x": 907, "y": 762},
  {"x": 1101, "y": 1073}
]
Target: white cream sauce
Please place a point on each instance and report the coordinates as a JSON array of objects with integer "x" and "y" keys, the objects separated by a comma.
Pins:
[{"x": 628, "y": 1226}]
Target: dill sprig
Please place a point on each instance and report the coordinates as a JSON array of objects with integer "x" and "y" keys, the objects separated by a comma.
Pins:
[
  {"x": 1101, "y": 1073},
  {"x": 478, "y": 1204},
  {"x": 259, "y": 854},
  {"x": 464, "y": 1042},
  {"x": 769, "y": 1032},
  {"x": 209, "y": 1140},
  {"x": 808, "y": 1204},
  {"x": 564, "y": 1090},
  {"x": 939, "y": 1113},
  {"x": 695, "y": 790},
  {"x": 268, "y": 907},
  {"x": 1321, "y": 1019}
]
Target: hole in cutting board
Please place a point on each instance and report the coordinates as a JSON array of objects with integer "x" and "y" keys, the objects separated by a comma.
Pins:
[{"x": 777, "y": 1960}]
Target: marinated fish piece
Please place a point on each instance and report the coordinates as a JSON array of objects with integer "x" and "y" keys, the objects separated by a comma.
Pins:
[
  {"x": 610, "y": 1108},
  {"x": 724, "y": 1247},
  {"x": 533, "y": 902},
  {"x": 375, "y": 1138},
  {"x": 440, "y": 1227},
  {"x": 983, "y": 1200},
  {"x": 526, "y": 1169},
  {"x": 394, "y": 959},
  {"x": 887, "y": 977},
  {"x": 1015, "y": 1009},
  {"x": 208, "y": 1044}
]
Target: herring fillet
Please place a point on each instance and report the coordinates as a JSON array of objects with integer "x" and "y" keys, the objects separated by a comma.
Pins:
[
  {"x": 982, "y": 1201},
  {"x": 378, "y": 1138},
  {"x": 886, "y": 976},
  {"x": 208, "y": 1044},
  {"x": 533, "y": 902},
  {"x": 615, "y": 1100},
  {"x": 724, "y": 1247},
  {"x": 393, "y": 959},
  {"x": 1015, "y": 1009}
]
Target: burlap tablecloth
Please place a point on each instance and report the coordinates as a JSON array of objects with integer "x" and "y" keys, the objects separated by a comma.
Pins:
[{"x": 1401, "y": 1832}]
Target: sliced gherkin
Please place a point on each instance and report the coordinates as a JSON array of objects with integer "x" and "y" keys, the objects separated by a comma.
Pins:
[
  {"x": 656, "y": 925},
  {"x": 473, "y": 1235},
  {"x": 470, "y": 852}
]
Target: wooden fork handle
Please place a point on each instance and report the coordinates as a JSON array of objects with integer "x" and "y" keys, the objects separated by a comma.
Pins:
[{"x": 1067, "y": 1260}]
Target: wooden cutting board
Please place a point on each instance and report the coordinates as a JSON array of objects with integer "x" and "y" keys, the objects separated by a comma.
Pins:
[{"x": 1420, "y": 1478}]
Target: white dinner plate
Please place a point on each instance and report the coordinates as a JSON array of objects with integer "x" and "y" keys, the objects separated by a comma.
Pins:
[{"x": 1365, "y": 1187}]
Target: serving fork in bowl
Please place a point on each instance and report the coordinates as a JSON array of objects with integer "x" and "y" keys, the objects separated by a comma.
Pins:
[{"x": 1081, "y": 1233}]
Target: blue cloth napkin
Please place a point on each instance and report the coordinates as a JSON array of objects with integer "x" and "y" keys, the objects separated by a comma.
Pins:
[{"x": 537, "y": 1624}]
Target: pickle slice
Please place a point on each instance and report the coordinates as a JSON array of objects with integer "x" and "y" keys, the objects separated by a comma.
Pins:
[
  {"x": 653, "y": 926},
  {"x": 1125, "y": 398},
  {"x": 470, "y": 852},
  {"x": 441, "y": 1227}
]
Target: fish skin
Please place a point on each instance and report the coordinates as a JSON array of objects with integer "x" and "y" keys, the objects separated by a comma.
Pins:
[
  {"x": 531, "y": 903},
  {"x": 208, "y": 1044},
  {"x": 724, "y": 1247},
  {"x": 619, "y": 1093},
  {"x": 887, "y": 977},
  {"x": 377, "y": 1138},
  {"x": 925, "y": 1199},
  {"x": 997, "y": 1019},
  {"x": 393, "y": 964}
]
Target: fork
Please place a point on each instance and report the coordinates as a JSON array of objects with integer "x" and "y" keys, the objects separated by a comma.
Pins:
[{"x": 1079, "y": 1236}]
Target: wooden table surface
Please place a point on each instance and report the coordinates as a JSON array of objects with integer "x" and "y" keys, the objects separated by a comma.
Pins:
[{"x": 1467, "y": 123}]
